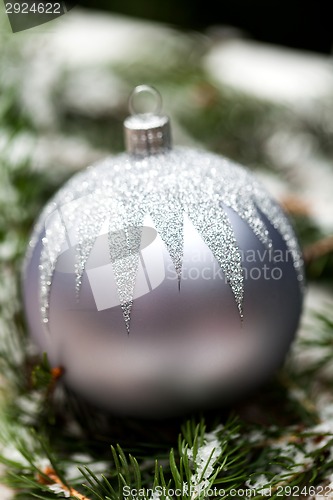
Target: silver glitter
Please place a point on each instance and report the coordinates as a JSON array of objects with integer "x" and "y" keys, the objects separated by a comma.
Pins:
[
  {"x": 124, "y": 245},
  {"x": 122, "y": 190},
  {"x": 54, "y": 235},
  {"x": 90, "y": 222}
]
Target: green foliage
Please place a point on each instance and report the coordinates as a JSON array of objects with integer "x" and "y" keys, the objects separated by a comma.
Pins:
[
  {"x": 41, "y": 374},
  {"x": 279, "y": 444}
]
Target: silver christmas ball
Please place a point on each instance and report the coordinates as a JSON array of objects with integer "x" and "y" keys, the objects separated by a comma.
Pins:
[{"x": 163, "y": 280}]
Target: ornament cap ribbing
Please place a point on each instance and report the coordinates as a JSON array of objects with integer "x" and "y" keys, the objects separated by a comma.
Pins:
[{"x": 147, "y": 133}]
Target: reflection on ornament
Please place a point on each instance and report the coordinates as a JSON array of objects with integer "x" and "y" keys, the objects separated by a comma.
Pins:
[{"x": 140, "y": 234}]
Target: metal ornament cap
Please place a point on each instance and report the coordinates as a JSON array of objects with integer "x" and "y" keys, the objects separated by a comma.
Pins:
[{"x": 147, "y": 133}]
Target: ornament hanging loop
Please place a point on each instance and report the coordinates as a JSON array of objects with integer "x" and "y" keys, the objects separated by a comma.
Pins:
[
  {"x": 147, "y": 133},
  {"x": 145, "y": 89}
]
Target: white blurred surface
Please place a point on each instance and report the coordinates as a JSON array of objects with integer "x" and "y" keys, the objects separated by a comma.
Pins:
[
  {"x": 273, "y": 73},
  {"x": 5, "y": 493}
]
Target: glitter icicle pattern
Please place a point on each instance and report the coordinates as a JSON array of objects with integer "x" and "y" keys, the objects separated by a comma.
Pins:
[{"x": 122, "y": 190}]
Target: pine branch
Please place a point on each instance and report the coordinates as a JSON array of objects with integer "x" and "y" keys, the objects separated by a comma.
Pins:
[
  {"x": 320, "y": 248},
  {"x": 54, "y": 483},
  {"x": 295, "y": 206}
]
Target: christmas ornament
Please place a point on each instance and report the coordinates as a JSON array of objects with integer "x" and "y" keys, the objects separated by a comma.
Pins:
[{"x": 163, "y": 279}]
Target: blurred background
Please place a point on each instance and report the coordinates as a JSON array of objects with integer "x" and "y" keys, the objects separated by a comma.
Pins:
[
  {"x": 290, "y": 23},
  {"x": 252, "y": 80}
]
